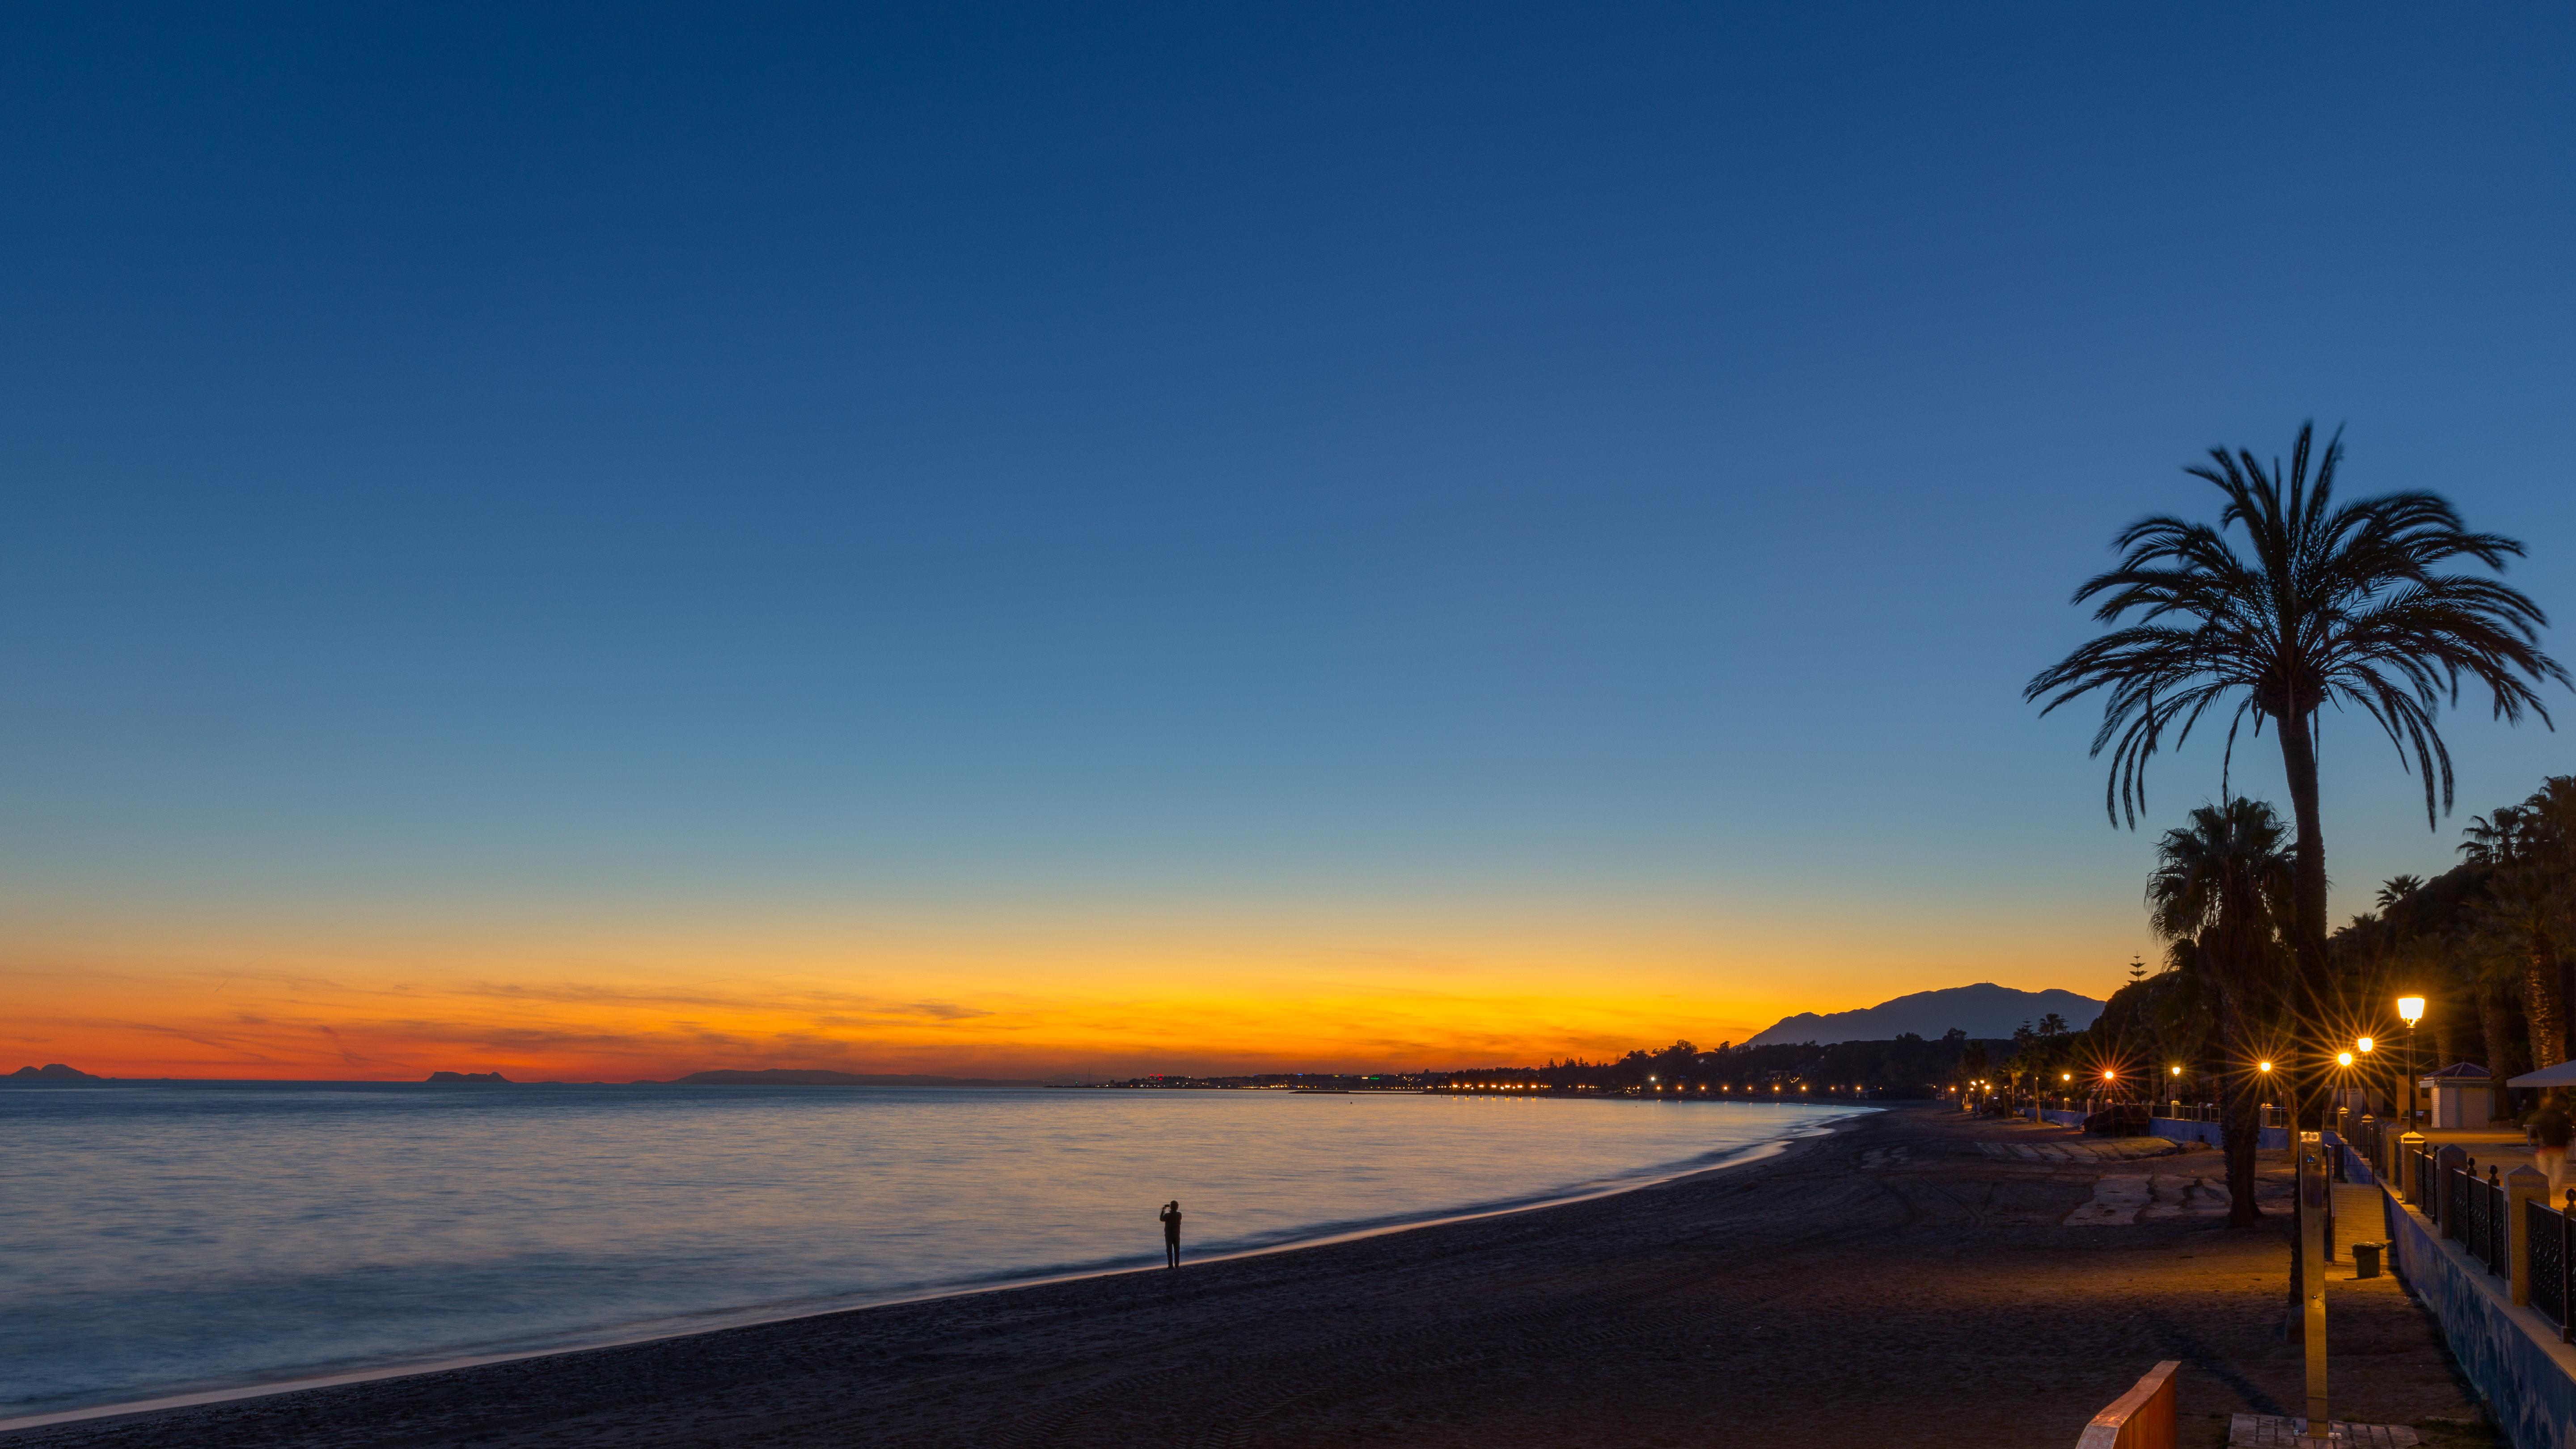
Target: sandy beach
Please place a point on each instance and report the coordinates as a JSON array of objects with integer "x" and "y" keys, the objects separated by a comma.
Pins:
[{"x": 1909, "y": 1279}]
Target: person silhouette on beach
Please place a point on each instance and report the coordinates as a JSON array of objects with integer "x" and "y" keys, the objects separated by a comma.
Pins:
[{"x": 1172, "y": 1233}]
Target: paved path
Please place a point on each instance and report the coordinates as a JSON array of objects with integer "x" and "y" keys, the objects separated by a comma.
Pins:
[{"x": 1896, "y": 1284}]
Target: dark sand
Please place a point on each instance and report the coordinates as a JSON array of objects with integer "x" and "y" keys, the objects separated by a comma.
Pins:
[{"x": 1887, "y": 1285}]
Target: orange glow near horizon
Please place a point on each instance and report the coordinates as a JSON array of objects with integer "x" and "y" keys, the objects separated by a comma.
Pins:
[{"x": 1036, "y": 999}]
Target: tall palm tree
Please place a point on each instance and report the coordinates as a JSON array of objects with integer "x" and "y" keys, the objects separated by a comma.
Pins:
[
  {"x": 2342, "y": 603},
  {"x": 2514, "y": 935},
  {"x": 2397, "y": 888},
  {"x": 2224, "y": 883}
]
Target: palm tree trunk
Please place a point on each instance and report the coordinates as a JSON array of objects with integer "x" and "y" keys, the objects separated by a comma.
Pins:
[
  {"x": 2239, "y": 1128},
  {"x": 2308, "y": 943},
  {"x": 2541, "y": 1006},
  {"x": 2495, "y": 1017},
  {"x": 2308, "y": 906}
]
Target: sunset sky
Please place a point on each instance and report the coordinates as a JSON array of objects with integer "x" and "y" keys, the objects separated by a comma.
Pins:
[{"x": 1018, "y": 540}]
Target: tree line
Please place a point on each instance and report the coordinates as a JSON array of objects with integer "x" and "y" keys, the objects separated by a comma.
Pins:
[
  {"x": 2292, "y": 601},
  {"x": 1909, "y": 1066}
]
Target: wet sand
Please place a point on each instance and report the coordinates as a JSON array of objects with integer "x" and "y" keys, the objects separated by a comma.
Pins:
[{"x": 1908, "y": 1280}]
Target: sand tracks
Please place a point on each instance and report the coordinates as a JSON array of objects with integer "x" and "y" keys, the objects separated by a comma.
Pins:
[
  {"x": 2119, "y": 1202},
  {"x": 2116, "y": 1149}
]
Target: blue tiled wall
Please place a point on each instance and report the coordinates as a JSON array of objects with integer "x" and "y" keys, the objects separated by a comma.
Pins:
[{"x": 2512, "y": 1355}]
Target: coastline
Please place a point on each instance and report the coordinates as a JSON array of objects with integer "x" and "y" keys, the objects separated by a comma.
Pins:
[
  {"x": 1825, "y": 1294},
  {"x": 665, "y": 1331}
]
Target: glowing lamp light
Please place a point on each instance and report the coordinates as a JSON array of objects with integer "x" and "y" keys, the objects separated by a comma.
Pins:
[
  {"x": 2410, "y": 1009},
  {"x": 2066, "y": 1076},
  {"x": 2365, "y": 1044},
  {"x": 2262, "y": 1066},
  {"x": 2343, "y": 1059},
  {"x": 2177, "y": 1071}
]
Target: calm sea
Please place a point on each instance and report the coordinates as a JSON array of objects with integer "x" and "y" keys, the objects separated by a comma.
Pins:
[{"x": 161, "y": 1240}]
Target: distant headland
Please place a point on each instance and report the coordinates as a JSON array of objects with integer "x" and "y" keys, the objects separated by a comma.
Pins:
[
  {"x": 1983, "y": 1011},
  {"x": 52, "y": 1072}
]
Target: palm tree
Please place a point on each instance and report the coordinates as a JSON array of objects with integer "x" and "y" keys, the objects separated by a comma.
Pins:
[
  {"x": 2514, "y": 935},
  {"x": 2224, "y": 883},
  {"x": 2517, "y": 928},
  {"x": 2343, "y": 603},
  {"x": 2397, "y": 888},
  {"x": 2497, "y": 839}
]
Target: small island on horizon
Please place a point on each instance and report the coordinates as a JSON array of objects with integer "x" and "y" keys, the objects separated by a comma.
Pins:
[{"x": 52, "y": 1072}]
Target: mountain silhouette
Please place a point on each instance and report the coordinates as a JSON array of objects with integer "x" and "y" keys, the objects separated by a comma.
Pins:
[{"x": 1984, "y": 1011}]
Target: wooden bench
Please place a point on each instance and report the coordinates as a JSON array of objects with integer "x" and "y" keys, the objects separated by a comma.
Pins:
[{"x": 2142, "y": 1418}]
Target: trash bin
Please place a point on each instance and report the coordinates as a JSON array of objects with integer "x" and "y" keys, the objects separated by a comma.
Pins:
[{"x": 2365, "y": 1259}]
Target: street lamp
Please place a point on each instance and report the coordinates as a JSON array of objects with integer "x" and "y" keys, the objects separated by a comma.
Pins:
[{"x": 2411, "y": 1010}]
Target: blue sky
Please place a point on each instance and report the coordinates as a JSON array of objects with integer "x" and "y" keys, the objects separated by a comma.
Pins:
[{"x": 543, "y": 464}]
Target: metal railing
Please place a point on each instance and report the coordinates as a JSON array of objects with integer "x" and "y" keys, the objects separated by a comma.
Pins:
[
  {"x": 2499, "y": 1244},
  {"x": 2177, "y": 1110},
  {"x": 2473, "y": 1211},
  {"x": 2552, "y": 1236}
]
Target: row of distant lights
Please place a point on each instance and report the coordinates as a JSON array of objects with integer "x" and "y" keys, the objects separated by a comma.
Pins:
[
  {"x": 2342, "y": 1059},
  {"x": 1544, "y": 1087},
  {"x": 2410, "y": 1009}
]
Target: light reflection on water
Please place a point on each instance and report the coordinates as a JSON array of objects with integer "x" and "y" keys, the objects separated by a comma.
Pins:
[{"x": 158, "y": 1239}]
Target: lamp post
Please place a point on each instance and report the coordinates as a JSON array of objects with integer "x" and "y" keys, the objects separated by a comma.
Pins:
[
  {"x": 2343, "y": 1079},
  {"x": 2411, "y": 1010}
]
